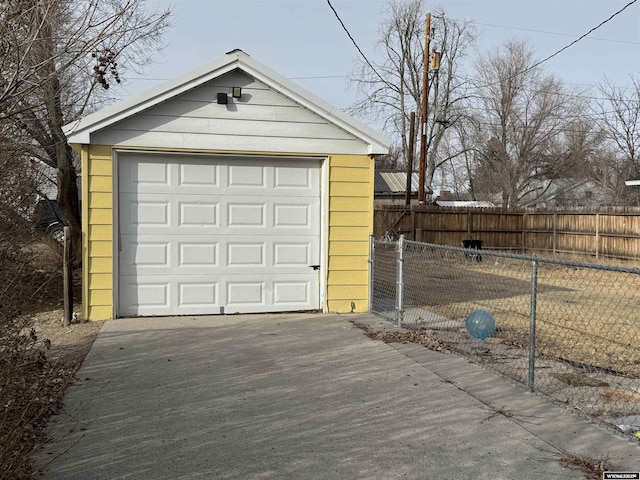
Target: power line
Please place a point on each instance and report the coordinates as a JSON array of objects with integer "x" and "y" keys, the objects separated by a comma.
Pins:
[
  {"x": 582, "y": 36},
  {"x": 555, "y": 33},
  {"x": 558, "y": 52},
  {"x": 355, "y": 44}
]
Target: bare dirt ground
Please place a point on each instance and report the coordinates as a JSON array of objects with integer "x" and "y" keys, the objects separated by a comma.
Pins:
[{"x": 69, "y": 345}]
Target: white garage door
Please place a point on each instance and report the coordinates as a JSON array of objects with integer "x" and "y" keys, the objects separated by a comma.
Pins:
[{"x": 204, "y": 235}]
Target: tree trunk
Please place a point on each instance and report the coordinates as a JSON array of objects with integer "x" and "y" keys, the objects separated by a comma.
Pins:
[{"x": 66, "y": 173}]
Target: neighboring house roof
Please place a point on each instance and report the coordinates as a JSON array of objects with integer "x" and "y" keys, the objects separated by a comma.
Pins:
[
  {"x": 80, "y": 131},
  {"x": 563, "y": 191},
  {"x": 394, "y": 182},
  {"x": 464, "y": 203}
]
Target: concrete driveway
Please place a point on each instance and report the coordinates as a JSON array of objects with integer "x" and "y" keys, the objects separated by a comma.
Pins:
[{"x": 302, "y": 396}]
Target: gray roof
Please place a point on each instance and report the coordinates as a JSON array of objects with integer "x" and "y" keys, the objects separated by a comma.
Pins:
[
  {"x": 464, "y": 203},
  {"x": 390, "y": 182}
]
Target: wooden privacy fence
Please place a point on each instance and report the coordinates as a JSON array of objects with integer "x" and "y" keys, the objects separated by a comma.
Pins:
[{"x": 609, "y": 233}]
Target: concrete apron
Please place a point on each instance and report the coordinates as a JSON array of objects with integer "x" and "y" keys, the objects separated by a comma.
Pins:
[{"x": 301, "y": 396}]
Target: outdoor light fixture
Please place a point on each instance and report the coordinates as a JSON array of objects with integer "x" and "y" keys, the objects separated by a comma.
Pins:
[
  {"x": 222, "y": 99},
  {"x": 236, "y": 92}
]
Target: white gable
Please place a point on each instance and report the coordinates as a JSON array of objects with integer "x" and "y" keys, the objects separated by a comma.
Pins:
[
  {"x": 260, "y": 120},
  {"x": 272, "y": 115}
]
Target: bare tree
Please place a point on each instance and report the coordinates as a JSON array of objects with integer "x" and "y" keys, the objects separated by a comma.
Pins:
[
  {"x": 619, "y": 113},
  {"x": 390, "y": 160},
  {"x": 394, "y": 89},
  {"x": 521, "y": 111},
  {"x": 57, "y": 57}
]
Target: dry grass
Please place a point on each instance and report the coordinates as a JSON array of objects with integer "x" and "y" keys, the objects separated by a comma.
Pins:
[
  {"x": 583, "y": 315},
  {"x": 593, "y": 468}
]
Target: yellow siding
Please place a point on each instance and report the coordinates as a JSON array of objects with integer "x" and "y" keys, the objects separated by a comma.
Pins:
[
  {"x": 100, "y": 265},
  {"x": 349, "y": 204},
  {"x": 99, "y": 312},
  {"x": 100, "y": 249},
  {"x": 349, "y": 263},
  {"x": 101, "y": 281},
  {"x": 338, "y": 277},
  {"x": 336, "y": 305},
  {"x": 351, "y": 175},
  {"x": 101, "y": 167},
  {"x": 101, "y": 152},
  {"x": 97, "y": 228},
  {"x": 349, "y": 219},
  {"x": 101, "y": 232},
  {"x": 100, "y": 184},
  {"x": 347, "y": 248},
  {"x": 100, "y": 297},
  {"x": 100, "y": 200},
  {"x": 348, "y": 233},
  {"x": 347, "y": 292},
  {"x": 351, "y": 161},
  {"x": 100, "y": 216},
  {"x": 350, "y": 223},
  {"x": 349, "y": 189}
]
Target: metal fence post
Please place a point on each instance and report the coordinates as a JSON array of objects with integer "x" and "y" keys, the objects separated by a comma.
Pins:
[
  {"x": 400, "y": 283},
  {"x": 532, "y": 324},
  {"x": 371, "y": 277}
]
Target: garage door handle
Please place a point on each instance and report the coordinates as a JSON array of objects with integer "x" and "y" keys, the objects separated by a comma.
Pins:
[{"x": 315, "y": 267}]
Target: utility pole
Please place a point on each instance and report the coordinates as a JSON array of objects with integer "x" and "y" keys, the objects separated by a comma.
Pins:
[
  {"x": 412, "y": 143},
  {"x": 425, "y": 105}
]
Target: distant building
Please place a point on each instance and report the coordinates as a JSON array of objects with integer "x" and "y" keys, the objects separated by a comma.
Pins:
[
  {"x": 390, "y": 187},
  {"x": 566, "y": 192},
  {"x": 464, "y": 204},
  {"x": 446, "y": 198}
]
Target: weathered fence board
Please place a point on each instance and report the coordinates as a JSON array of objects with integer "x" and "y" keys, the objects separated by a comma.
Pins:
[{"x": 610, "y": 232}]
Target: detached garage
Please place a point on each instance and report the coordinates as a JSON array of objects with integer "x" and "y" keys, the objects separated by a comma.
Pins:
[{"x": 227, "y": 190}]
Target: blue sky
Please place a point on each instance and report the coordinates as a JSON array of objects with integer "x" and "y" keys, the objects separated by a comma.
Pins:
[{"x": 302, "y": 38}]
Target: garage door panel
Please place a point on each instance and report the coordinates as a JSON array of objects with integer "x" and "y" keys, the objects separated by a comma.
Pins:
[
  {"x": 140, "y": 212},
  {"x": 198, "y": 294},
  {"x": 296, "y": 178},
  {"x": 246, "y": 254},
  {"x": 197, "y": 253},
  {"x": 246, "y": 215},
  {"x": 201, "y": 176},
  {"x": 200, "y": 214},
  {"x": 245, "y": 294},
  {"x": 143, "y": 297},
  {"x": 288, "y": 254},
  {"x": 218, "y": 235},
  {"x": 145, "y": 175},
  {"x": 242, "y": 176},
  {"x": 143, "y": 254},
  {"x": 291, "y": 293}
]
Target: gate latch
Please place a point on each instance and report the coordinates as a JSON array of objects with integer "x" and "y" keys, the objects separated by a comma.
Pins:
[{"x": 315, "y": 267}]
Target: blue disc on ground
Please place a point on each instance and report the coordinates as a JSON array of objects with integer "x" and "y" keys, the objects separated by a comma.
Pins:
[{"x": 480, "y": 324}]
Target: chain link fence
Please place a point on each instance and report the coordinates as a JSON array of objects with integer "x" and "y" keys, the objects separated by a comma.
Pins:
[{"x": 566, "y": 329}]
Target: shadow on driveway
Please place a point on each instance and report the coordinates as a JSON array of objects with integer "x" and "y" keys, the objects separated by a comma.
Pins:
[{"x": 292, "y": 396}]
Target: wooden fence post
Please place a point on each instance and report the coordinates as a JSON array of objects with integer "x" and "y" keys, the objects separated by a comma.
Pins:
[
  {"x": 555, "y": 232},
  {"x": 597, "y": 240}
]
